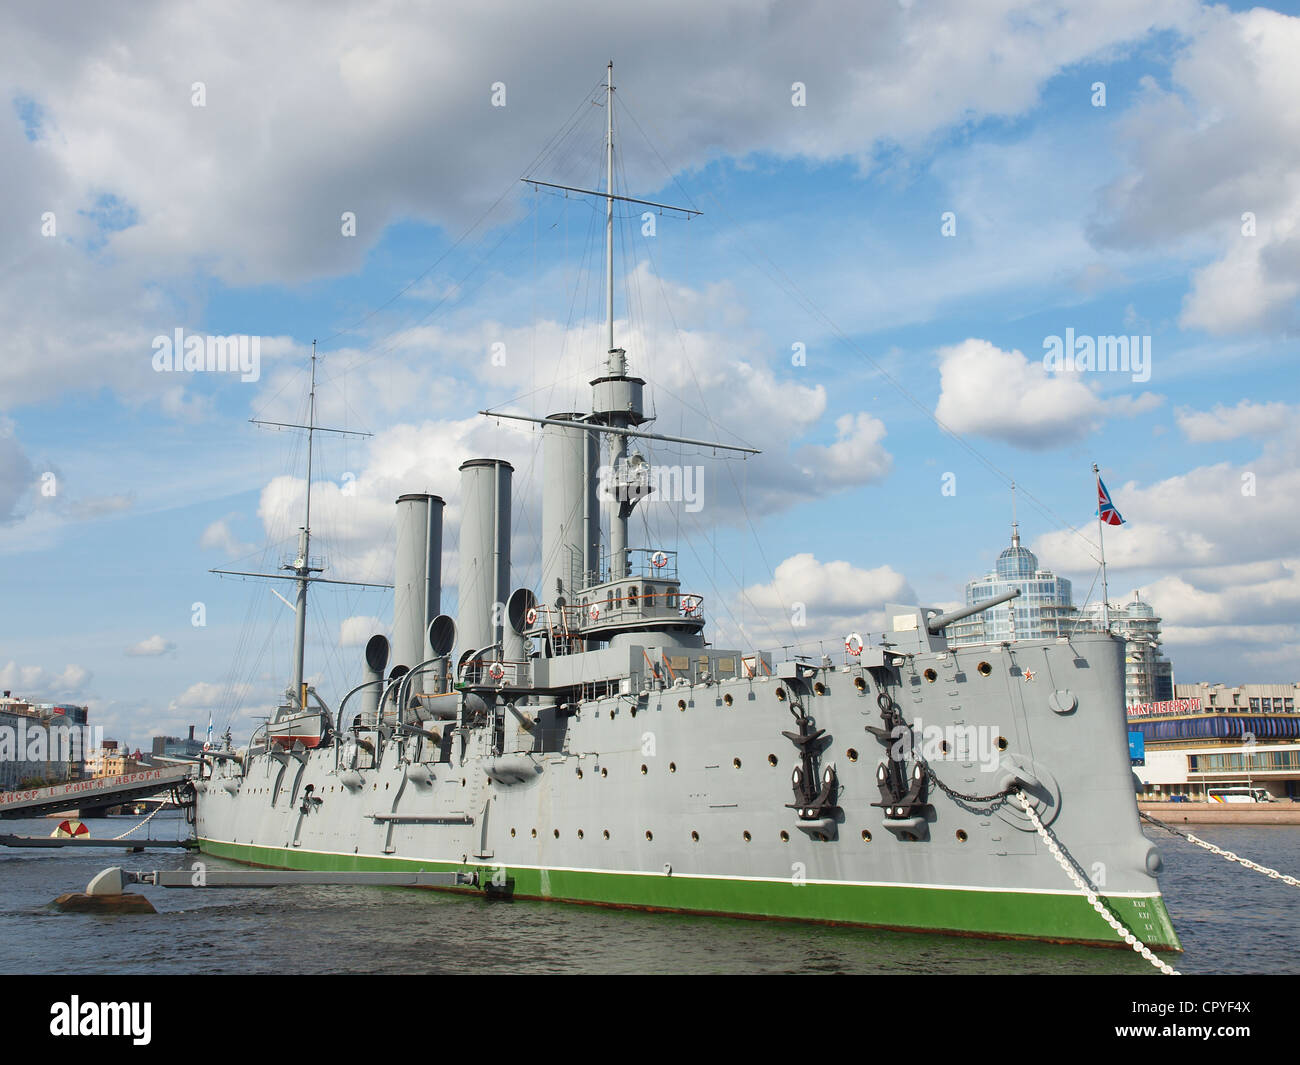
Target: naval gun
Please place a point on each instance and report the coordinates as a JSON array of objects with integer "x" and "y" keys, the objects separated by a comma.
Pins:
[{"x": 937, "y": 624}]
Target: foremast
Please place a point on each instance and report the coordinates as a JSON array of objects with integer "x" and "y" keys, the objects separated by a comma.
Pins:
[{"x": 302, "y": 566}]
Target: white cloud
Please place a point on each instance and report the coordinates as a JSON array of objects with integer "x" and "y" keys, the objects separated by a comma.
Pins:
[
  {"x": 357, "y": 630},
  {"x": 1227, "y": 423},
  {"x": 219, "y": 537},
  {"x": 1005, "y": 396},
  {"x": 39, "y": 684},
  {"x": 204, "y": 695},
  {"x": 151, "y": 648},
  {"x": 1221, "y": 143},
  {"x": 369, "y": 112},
  {"x": 810, "y": 603}
]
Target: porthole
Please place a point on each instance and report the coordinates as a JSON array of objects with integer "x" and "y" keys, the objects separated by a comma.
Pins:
[
  {"x": 735, "y": 763},
  {"x": 1002, "y": 743},
  {"x": 853, "y": 755},
  {"x": 747, "y": 836},
  {"x": 819, "y": 688},
  {"x": 771, "y": 760},
  {"x": 866, "y": 836},
  {"x": 644, "y": 770},
  {"x": 727, "y": 699},
  {"x": 557, "y": 833},
  {"x": 695, "y": 837},
  {"x": 961, "y": 836},
  {"x": 984, "y": 669},
  {"x": 579, "y": 772},
  {"x": 534, "y": 833},
  {"x": 930, "y": 675},
  {"x": 604, "y": 773},
  {"x": 672, "y": 767},
  {"x": 611, "y": 715},
  {"x": 606, "y": 833},
  {"x": 681, "y": 705},
  {"x": 649, "y": 837},
  {"x": 943, "y": 746},
  {"x": 580, "y": 834},
  {"x": 860, "y": 683},
  {"x": 512, "y": 833},
  {"x": 785, "y": 836},
  {"x": 780, "y": 695}
]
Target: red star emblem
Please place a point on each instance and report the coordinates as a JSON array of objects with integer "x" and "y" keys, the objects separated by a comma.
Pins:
[{"x": 1029, "y": 674}]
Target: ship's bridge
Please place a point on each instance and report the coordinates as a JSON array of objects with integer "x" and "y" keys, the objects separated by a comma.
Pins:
[{"x": 649, "y": 598}]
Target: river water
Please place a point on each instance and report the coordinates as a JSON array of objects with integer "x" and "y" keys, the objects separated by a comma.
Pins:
[{"x": 1230, "y": 919}]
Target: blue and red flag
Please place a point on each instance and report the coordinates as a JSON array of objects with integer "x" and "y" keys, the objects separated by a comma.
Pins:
[{"x": 1105, "y": 508}]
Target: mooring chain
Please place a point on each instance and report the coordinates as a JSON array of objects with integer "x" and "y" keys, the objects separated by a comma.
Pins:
[
  {"x": 136, "y": 828},
  {"x": 1272, "y": 874},
  {"x": 1088, "y": 892}
]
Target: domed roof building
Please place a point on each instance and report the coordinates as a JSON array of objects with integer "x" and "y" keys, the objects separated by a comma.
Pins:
[{"x": 1044, "y": 610}]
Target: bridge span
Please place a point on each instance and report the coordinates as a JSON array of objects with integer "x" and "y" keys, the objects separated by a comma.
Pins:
[{"x": 92, "y": 794}]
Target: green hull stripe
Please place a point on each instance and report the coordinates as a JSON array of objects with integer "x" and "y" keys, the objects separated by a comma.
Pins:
[{"x": 1057, "y": 918}]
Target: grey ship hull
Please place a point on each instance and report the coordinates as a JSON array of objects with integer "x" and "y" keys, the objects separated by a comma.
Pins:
[{"x": 679, "y": 799}]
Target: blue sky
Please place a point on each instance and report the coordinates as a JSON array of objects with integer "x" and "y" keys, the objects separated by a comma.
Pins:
[{"x": 822, "y": 226}]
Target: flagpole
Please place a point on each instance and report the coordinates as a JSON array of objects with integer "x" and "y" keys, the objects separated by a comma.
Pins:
[{"x": 1101, "y": 538}]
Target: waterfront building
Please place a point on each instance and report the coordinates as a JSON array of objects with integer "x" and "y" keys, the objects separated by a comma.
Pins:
[
  {"x": 174, "y": 747},
  {"x": 1148, "y": 675},
  {"x": 40, "y": 743},
  {"x": 1214, "y": 735}
]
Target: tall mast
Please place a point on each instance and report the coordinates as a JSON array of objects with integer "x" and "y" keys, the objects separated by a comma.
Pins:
[
  {"x": 1101, "y": 540},
  {"x": 302, "y": 564},
  {"x": 301, "y": 569},
  {"x": 609, "y": 205}
]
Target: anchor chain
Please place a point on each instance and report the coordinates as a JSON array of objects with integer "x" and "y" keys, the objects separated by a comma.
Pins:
[
  {"x": 891, "y": 712},
  {"x": 952, "y": 793},
  {"x": 1272, "y": 874},
  {"x": 1088, "y": 892},
  {"x": 136, "y": 828}
]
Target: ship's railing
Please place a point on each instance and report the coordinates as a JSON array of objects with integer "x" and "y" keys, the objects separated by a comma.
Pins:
[
  {"x": 633, "y": 605},
  {"x": 495, "y": 673},
  {"x": 652, "y": 564}
]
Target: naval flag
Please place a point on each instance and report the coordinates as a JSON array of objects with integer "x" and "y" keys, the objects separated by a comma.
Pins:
[{"x": 1105, "y": 508}]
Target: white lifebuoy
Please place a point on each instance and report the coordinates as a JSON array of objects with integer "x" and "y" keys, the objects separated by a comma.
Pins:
[
  {"x": 853, "y": 643},
  {"x": 594, "y": 613},
  {"x": 659, "y": 560},
  {"x": 496, "y": 671},
  {"x": 530, "y": 618}
]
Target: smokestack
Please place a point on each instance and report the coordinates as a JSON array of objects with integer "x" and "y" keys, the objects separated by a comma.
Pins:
[
  {"x": 484, "y": 551},
  {"x": 376, "y": 663},
  {"x": 433, "y": 581},
  {"x": 570, "y": 510},
  {"x": 418, "y": 575}
]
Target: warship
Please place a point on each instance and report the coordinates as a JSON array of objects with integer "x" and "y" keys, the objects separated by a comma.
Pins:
[{"x": 584, "y": 741}]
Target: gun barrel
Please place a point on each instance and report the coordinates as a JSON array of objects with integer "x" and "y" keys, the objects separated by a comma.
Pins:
[{"x": 938, "y": 624}]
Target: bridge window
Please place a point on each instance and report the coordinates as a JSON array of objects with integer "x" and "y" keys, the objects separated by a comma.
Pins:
[
  {"x": 631, "y": 596},
  {"x": 672, "y": 600}
]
